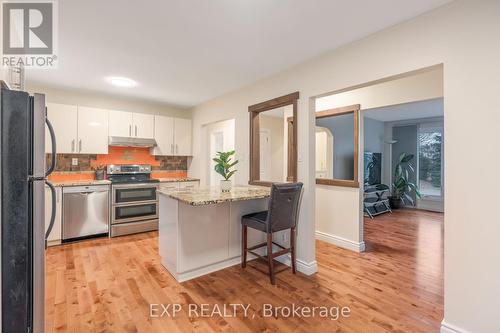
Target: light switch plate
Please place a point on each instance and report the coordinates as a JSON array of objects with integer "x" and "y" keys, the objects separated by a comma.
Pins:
[{"x": 74, "y": 161}]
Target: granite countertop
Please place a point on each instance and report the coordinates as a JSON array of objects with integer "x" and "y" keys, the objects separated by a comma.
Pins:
[
  {"x": 213, "y": 195},
  {"x": 174, "y": 180},
  {"x": 65, "y": 183}
]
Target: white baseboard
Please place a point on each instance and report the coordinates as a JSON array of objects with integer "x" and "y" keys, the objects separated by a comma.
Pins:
[
  {"x": 308, "y": 268},
  {"x": 341, "y": 242},
  {"x": 449, "y": 328},
  {"x": 302, "y": 266},
  {"x": 185, "y": 276}
]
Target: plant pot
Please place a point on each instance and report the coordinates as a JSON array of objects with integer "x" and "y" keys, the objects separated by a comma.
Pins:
[
  {"x": 395, "y": 202},
  {"x": 225, "y": 185},
  {"x": 99, "y": 174}
]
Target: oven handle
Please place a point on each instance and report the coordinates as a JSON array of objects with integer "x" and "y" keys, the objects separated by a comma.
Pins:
[
  {"x": 135, "y": 203},
  {"x": 132, "y": 186}
]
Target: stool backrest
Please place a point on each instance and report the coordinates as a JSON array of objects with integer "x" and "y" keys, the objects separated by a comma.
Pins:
[{"x": 284, "y": 206}]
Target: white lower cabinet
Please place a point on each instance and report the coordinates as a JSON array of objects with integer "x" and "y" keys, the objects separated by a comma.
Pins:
[
  {"x": 189, "y": 184},
  {"x": 56, "y": 233},
  {"x": 179, "y": 185}
]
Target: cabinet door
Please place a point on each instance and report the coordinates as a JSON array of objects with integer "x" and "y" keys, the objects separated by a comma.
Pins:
[
  {"x": 189, "y": 184},
  {"x": 92, "y": 131},
  {"x": 55, "y": 234},
  {"x": 120, "y": 123},
  {"x": 164, "y": 135},
  {"x": 169, "y": 186},
  {"x": 64, "y": 119},
  {"x": 182, "y": 137},
  {"x": 143, "y": 126}
]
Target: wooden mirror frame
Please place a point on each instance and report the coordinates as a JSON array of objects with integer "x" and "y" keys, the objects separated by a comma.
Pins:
[
  {"x": 254, "y": 110},
  {"x": 354, "y": 109}
]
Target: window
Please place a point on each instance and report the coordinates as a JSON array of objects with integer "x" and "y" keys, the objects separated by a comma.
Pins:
[{"x": 430, "y": 160}]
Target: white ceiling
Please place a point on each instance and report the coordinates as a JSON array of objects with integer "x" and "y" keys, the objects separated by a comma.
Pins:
[
  {"x": 184, "y": 52},
  {"x": 414, "y": 110}
]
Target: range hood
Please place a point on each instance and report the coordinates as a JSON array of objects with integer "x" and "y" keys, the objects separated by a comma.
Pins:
[{"x": 123, "y": 141}]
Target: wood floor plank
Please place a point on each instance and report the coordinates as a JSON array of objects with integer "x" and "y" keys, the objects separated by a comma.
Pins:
[{"x": 107, "y": 285}]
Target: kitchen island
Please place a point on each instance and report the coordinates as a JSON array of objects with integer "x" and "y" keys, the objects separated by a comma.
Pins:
[{"x": 200, "y": 229}]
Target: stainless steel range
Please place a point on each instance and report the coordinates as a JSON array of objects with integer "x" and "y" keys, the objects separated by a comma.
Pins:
[{"x": 134, "y": 202}]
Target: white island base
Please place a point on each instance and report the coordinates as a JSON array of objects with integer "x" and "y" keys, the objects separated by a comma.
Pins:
[{"x": 197, "y": 239}]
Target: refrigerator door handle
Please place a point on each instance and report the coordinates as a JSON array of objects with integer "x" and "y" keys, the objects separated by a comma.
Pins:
[
  {"x": 53, "y": 212},
  {"x": 53, "y": 141}
]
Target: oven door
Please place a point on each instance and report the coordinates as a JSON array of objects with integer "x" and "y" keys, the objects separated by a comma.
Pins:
[
  {"x": 131, "y": 213},
  {"x": 132, "y": 194}
]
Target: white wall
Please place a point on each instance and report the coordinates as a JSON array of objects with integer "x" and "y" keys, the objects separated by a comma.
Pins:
[
  {"x": 421, "y": 86},
  {"x": 373, "y": 135},
  {"x": 92, "y": 99},
  {"x": 462, "y": 36}
]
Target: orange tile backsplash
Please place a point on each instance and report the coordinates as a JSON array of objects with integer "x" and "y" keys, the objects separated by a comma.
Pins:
[
  {"x": 75, "y": 176},
  {"x": 71, "y": 176},
  {"x": 163, "y": 167},
  {"x": 125, "y": 155},
  {"x": 168, "y": 174}
]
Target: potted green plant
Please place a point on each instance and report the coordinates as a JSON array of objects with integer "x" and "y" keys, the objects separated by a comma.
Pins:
[
  {"x": 99, "y": 171},
  {"x": 401, "y": 186},
  {"x": 223, "y": 167}
]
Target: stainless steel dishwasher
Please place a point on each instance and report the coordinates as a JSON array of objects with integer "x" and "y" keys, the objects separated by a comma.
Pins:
[{"x": 85, "y": 211}]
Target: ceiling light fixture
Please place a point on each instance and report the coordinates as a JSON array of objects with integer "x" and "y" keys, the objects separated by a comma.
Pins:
[{"x": 121, "y": 81}]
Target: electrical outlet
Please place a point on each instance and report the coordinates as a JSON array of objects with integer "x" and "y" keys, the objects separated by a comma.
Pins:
[
  {"x": 284, "y": 237},
  {"x": 74, "y": 161}
]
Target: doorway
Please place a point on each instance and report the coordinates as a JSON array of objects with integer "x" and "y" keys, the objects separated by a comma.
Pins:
[
  {"x": 220, "y": 137},
  {"x": 401, "y": 145}
]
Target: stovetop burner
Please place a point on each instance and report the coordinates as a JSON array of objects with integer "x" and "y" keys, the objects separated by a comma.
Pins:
[{"x": 129, "y": 174}]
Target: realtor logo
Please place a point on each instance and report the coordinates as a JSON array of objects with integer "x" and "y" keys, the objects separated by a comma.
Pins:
[{"x": 28, "y": 34}]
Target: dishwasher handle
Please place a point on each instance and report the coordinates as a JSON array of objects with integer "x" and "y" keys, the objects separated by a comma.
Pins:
[{"x": 85, "y": 190}]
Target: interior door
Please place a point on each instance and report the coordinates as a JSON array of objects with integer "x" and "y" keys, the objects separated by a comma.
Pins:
[
  {"x": 164, "y": 135},
  {"x": 216, "y": 144},
  {"x": 182, "y": 137},
  {"x": 64, "y": 119},
  {"x": 92, "y": 131},
  {"x": 120, "y": 123},
  {"x": 143, "y": 126},
  {"x": 220, "y": 137}
]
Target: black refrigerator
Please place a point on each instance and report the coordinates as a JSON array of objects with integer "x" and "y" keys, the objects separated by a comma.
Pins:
[{"x": 23, "y": 239}]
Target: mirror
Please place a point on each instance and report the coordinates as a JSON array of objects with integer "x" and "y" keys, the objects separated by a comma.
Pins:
[
  {"x": 337, "y": 138},
  {"x": 272, "y": 145}
]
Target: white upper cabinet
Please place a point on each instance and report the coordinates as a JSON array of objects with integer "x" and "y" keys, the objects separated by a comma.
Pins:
[
  {"x": 182, "y": 137},
  {"x": 129, "y": 124},
  {"x": 120, "y": 123},
  {"x": 143, "y": 125},
  {"x": 164, "y": 135},
  {"x": 64, "y": 119},
  {"x": 92, "y": 130},
  {"x": 78, "y": 130},
  {"x": 173, "y": 136}
]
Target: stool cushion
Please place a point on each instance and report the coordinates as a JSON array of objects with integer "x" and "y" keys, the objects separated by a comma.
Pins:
[{"x": 256, "y": 220}]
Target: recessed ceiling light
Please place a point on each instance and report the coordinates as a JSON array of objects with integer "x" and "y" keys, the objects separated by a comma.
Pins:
[{"x": 121, "y": 81}]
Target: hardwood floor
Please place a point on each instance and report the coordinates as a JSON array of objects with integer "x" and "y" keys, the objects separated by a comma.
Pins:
[{"x": 107, "y": 285}]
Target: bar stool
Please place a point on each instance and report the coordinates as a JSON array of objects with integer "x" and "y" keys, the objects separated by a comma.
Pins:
[{"x": 282, "y": 214}]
